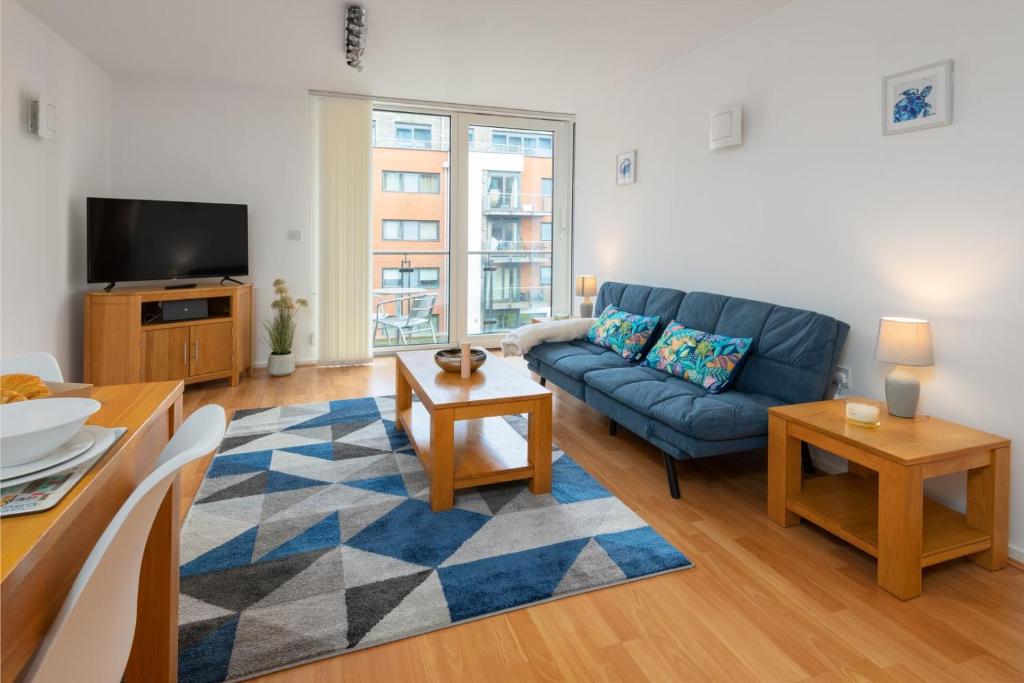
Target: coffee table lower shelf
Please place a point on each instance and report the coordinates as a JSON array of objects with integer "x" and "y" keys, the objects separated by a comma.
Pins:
[
  {"x": 487, "y": 450},
  {"x": 847, "y": 505}
]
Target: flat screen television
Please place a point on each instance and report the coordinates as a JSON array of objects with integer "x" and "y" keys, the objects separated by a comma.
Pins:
[{"x": 142, "y": 239}]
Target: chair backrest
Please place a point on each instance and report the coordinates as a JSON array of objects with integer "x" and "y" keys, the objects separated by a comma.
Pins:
[
  {"x": 422, "y": 306},
  {"x": 39, "y": 363},
  {"x": 91, "y": 638}
]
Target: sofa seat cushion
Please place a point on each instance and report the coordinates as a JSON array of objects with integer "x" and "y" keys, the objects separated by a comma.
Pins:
[
  {"x": 683, "y": 406},
  {"x": 577, "y": 358}
]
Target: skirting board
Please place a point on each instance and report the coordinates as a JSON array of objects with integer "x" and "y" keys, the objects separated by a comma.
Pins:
[{"x": 298, "y": 364}]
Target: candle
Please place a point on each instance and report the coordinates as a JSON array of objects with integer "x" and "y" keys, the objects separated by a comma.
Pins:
[
  {"x": 862, "y": 414},
  {"x": 466, "y": 367}
]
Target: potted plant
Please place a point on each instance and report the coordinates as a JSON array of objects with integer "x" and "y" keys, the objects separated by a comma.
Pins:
[{"x": 281, "y": 330}]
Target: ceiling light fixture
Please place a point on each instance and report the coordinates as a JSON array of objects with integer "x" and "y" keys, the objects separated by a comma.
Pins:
[{"x": 355, "y": 36}]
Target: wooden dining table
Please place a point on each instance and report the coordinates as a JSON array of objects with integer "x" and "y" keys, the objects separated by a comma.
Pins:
[{"x": 41, "y": 553}]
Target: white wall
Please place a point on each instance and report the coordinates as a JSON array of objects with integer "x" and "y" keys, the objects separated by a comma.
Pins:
[
  {"x": 193, "y": 141},
  {"x": 817, "y": 209},
  {"x": 44, "y": 185}
]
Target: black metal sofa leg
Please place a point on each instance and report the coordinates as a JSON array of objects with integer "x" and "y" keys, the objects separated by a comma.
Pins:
[
  {"x": 613, "y": 428},
  {"x": 670, "y": 470},
  {"x": 543, "y": 381}
]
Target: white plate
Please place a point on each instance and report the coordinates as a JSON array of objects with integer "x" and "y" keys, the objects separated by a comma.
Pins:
[
  {"x": 78, "y": 444},
  {"x": 103, "y": 438}
]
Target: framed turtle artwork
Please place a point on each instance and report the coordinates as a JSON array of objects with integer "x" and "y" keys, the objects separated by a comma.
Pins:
[{"x": 918, "y": 99}]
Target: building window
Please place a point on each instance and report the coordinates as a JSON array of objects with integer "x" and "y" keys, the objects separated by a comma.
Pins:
[
  {"x": 545, "y": 186},
  {"x": 428, "y": 278},
  {"x": 530, "y": 144},
  {"x": 405, "y": 181},
  {"x": 410, "y": 231},
  {"x": 414, "y": 135},
  {"x": 503, "y": 230},
  {"x": 545, "y": 275},
  {"x": 506, "y": 283},
  {"x": 502, "y": 189},
  {"x": 545, "y": 231}
]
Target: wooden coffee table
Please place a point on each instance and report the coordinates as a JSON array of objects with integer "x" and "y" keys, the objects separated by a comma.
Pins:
[{"x": 457, "y": 429}]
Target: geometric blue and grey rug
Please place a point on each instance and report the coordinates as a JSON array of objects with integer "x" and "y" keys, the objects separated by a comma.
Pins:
[{"x": 311, "y": 536}]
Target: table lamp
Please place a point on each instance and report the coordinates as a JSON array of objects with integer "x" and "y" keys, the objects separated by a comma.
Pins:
[
  {"x": 903, "y": 341},
  {"x": 586, "y": 286}
]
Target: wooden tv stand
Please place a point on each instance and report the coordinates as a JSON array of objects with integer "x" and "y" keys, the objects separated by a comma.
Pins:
[{"x": 127, "y": 341}]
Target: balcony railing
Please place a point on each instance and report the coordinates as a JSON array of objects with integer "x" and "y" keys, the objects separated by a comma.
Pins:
[
  {"x": 435, "y": 144},
  {"x": 516, "y": 203},
  {"x": 525, "y": 150},
  {"x": 511, "y": 245}
]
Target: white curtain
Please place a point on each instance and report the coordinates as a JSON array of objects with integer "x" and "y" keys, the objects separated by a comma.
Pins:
[{"x": 344, "y": 210}]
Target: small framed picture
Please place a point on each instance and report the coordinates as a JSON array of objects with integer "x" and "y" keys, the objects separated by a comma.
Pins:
[
  {"x": 917, "y": 99},
  {"x": 625, "y": 168}
]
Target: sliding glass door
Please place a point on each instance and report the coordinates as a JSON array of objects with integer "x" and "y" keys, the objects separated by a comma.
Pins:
[
  {"x": 471, "y": 225},
  {"x": 515, "y": 255},
  {"x": 410, "y": 223}
]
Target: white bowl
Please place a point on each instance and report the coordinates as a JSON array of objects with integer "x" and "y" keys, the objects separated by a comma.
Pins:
[{"x": 31, "y": 429}]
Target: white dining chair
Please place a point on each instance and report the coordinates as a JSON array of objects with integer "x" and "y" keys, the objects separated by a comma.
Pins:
[
  {"x": 39, "y": 363},
  {"x": 91, "y": 638}
]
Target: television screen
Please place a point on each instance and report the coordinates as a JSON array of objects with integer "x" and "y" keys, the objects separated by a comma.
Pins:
[{"x": 141, "y": 239}]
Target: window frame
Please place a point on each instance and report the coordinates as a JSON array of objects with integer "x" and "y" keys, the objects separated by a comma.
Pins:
[
  {"x": 401, "y": 230},
  {"x": 419, "y": 183}
]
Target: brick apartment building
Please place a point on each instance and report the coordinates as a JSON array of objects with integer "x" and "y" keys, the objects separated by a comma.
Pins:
[{"x": 509, "y": 219}]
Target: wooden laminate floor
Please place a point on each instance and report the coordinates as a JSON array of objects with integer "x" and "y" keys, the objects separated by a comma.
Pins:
[{"x": 763, "y": 602}]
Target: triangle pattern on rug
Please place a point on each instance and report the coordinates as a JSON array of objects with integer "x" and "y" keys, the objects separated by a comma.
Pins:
[
  {"x": 592, "y": 566},
  {"x": 273, "y": 535},
  {"x": 361, "y": 567},
  {"x": 237, "y": 588},
  {"x": 497, "y": 583},
  {"x": 276, "y": 503},
  {"x": 425, "y": 606},
  {"x": 252, "y": 486},
  {"x": 324, "y": 575},
  {"x": 354, "y": 520},
  {"x": 204, "y": 649},
  {"x": 236, "y": 552},
  {"x": 322, "y": 535},
  {"x": 287, "y": 632},
  {"x": 367, "y": 604}
]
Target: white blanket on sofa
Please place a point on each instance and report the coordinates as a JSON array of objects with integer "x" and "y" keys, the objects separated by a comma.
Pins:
[{"x": 519, "y": 341}]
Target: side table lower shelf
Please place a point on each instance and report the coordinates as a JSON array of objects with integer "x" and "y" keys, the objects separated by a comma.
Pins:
[{"x": 847, "y": 505}]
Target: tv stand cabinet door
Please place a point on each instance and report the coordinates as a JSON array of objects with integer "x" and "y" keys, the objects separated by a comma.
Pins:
[
  {"x": 165, "y": 354},
  {"x": 212, "y": 348}
]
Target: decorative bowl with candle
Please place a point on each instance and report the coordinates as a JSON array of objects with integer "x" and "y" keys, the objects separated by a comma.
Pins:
[{"x": 450, "y": 360}]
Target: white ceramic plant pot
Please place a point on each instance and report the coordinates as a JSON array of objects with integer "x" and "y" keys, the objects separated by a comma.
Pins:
[{"x": 279, "y": 365}]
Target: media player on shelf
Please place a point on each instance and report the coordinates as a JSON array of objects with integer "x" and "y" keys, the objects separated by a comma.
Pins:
[{"x": 132, "y": 240}]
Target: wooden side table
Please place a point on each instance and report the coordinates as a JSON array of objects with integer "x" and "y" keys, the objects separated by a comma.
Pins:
[{"x": 879, "y": 505}]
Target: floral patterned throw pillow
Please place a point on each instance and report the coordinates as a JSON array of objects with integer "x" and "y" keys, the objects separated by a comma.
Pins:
[
  {"x": 707, "y": 360},
  {"x": 624, "y": 333}
]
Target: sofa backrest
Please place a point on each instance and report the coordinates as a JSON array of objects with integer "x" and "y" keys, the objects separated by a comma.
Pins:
[
  {"x": 640, "y": 299},
  {"x": 794, "y": 351}
]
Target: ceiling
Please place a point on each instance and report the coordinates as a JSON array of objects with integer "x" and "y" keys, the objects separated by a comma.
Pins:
[{"x": 529, "y": 54}]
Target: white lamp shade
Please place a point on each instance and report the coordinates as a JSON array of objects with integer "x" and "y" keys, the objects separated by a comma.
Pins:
[
  {"x": 904, "y": 341},
  {"x": 586, "y": 285}
]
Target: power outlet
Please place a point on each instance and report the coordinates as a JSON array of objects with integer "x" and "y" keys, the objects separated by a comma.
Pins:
[
  {"x": 295, "y": 235},
  {"x": 842, "y": 378}
]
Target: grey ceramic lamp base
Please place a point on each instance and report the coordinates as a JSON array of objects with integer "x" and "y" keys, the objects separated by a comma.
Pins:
[
  {"x": 902, "y": 391},
  {"x": 586, "y": 308}
]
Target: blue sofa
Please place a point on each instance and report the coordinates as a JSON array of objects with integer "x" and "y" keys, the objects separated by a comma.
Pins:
[{"x": 792, "y": 361}]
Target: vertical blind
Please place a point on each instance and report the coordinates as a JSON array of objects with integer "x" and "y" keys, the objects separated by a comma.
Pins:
[{"x": 344, "y": 209}]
